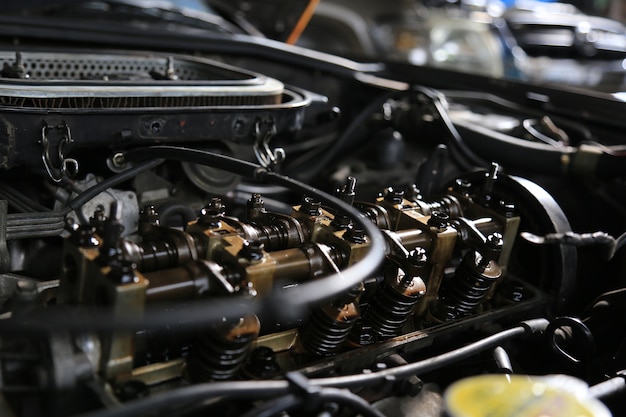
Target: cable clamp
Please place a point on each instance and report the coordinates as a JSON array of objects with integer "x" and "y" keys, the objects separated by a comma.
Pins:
[
  {"x": 301, "y": 386},
  {"x": 264, "y": 131},
  {"x": 58, "y": 167}
]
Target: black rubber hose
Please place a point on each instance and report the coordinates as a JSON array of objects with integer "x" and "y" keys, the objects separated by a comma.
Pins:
[
  {"x": 339, "y": 396},
  {"x": 609, "y": 387},
  {"x": 112, "y": 181},
  {"x": 459, "y": 150},
  {"x": 435, "y": 362},
  {"x": 177, "y": 398},
  {"x": 346, "y": 139}
]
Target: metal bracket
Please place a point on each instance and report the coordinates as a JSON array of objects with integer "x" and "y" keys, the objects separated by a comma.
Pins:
[
  {"x": 264, "y": 131},
  {"x": 67, "y": 167}
]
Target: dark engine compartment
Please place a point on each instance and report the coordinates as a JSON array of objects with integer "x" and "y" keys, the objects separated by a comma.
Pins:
[{"x": 258, "y": 229}]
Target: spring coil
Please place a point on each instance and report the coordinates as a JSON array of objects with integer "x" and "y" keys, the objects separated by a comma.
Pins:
[
  {"x": 328, "y": 328},
  {"x": 393, "y": 306},
  {"x": 219, "y": 353},
  {"x": 466, "y": 290}
]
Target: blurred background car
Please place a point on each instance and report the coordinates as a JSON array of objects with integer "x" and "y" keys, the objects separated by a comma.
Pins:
[{"x": 527, "y": 40}]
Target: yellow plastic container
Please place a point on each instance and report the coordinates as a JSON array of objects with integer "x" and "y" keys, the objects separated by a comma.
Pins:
[{"x": 522, "y": 396}]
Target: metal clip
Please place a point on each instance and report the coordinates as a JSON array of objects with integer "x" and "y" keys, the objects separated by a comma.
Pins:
[
  {"x": 266, "y": 156},
  {"x": 68, "y": 167}
]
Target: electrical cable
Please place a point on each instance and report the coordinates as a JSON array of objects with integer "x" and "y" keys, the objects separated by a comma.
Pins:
[
  {"x": 112, "y": 181},
  {"x": 180, "y": 397},
  {"x": 345, "y": 139},
  {"x": 460, "y": 152},
  {"x": 325, "y": 395},
  {"x": 609, "y": 387},
  {"x": 588, "y": 159},
  {"x": 280, "y": 405},
  {"x": 434, "y": 362},
  {"x": 517, "y": 108}
]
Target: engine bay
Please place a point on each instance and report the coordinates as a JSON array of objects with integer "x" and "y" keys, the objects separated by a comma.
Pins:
[{"x": 290, "y": 234}]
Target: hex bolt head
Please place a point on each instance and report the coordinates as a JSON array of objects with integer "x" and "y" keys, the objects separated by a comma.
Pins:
[
  {"x": 122, "y": 272},
  {"x": 413, "y": 193},
  {"x": 251, "y": 251},
  {"x": 311, "y": 207},
  {"x": 417, "y": 257},
  {"x": 211, "y": 213},
  {"x": 495, "y": 241},
  {"x": 355, "y": 235},
  {"x": 214, "y": 207},
  {"x": 462, "y": 187},
  {"x": 149, "y": 215},
  {"x": 84, "y": 237},
  {"x": 262, "y": 362},
  {"x": 506, "y": 209},
  {"x": 393, "y": 196},
  {"x": 256, "y": 202},
  {"x": 438, "y": 220}
]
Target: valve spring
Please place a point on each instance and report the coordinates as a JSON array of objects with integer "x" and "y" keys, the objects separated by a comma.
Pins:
[
  {"x": 218, "y": 355},
  {"x": 467, "y": 288},
  {"x": 390, "y": 310},
  {"x": 324, "y": 334}
]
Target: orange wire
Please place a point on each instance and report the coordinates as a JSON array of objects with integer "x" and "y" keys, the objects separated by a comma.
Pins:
[{"x": 305, "y": 17}]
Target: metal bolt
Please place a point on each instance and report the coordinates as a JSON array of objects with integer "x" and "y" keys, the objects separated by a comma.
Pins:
[
  {"x": 256, "y": 202},
  {"x": 98, "y": 219},
  {"x": 438, "y": 220},
  {"x": 411, "y": 386},
  {"x": 413, "y": 193},
  {"x": 506, "y": 209},
  {"x": 393, "y": 196},
  {"x": 84, "y": 236},
  {"x": 262, "y": 362},
  {"x": 493, "y": 247},
  {"x": 211, "y": 214},
  {"x": 462, "y": 187},
  {"x": 495, "y": 241},
  {"x": 355, "y": 235},
  {"x": 214, "y": 207},
  {"x": 417, "y": 257},
  {"x": 122, "y": 272},
  {"x": 311, "y": 207},
  {"x": 490, "y": 179},
  {"x": 111, "y": 233},
  {"x": 346, "y": 193},
  {"x": 119, "y": 160},
  {"x": 252, "y": 251},
  {"x": 342, "y": 221},
  {"x": 149, "y": 215}
]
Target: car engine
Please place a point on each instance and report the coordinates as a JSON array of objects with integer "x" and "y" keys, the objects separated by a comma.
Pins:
[{"x": 256, "y": 229}]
